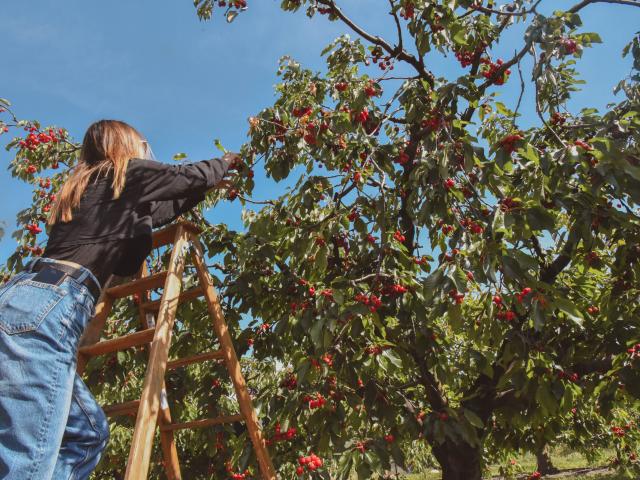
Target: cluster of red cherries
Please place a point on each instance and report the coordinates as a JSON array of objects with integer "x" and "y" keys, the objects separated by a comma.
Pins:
[
  {"x": 318, "y": 402},
  {"x": 376, "y": 349},
  {"x": 35, "y": 138},
  {"x": 311, "y": 462},
  {"x": 372, "y": 301},
  {"x": 281, "y": 436},
  {"x": 490, "y": 69}
]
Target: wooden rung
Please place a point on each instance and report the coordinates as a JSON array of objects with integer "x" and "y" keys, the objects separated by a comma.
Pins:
[
  {"x": 181, "y": 362},
  {"x": 167, "y": 235},
  {"x": 138, "y": 286},
  {"x": 207, "y": 422},
  {"x": 190, "y": 294},
  {"x": 120, "y": 343},
  {"x": 121, "y": 408}
]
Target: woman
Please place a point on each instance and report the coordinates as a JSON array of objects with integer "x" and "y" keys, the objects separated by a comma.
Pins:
[{"x": 50, "y": 425}]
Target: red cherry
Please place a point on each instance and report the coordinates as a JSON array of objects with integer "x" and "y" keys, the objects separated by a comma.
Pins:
[
  {"x": 361, "y": 117},
  {"x": 570, "y": 46},
  {"x": 582, "y": 144},
  {"x": 402, "y": 158}
]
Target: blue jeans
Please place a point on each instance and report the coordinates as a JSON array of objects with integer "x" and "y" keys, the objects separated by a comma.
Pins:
[{"x": 50, "y": 425}]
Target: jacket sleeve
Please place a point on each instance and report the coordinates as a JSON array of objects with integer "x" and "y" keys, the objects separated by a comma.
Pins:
[
  {"x": 160, "y": 181},
  {"x": 166, "y": 211}
]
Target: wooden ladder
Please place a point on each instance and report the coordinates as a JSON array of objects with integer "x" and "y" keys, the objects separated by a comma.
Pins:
[{"x": 152, "y": 408}]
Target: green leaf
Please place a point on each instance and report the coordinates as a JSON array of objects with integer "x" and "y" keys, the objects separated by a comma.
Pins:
[
  {"x": 122, "y": 357},
  {"x": 219, "y": 146},
  {"x": 538, "y": 316},
  {"x": 317, "y": 333},
  {"x": 321, "y": 259},
  {"x": 303, "y": 369},
  {"x": 364, "y": 471},
  {"x": 473, "y": 418},
  {"x": 454, "y": 312},
  {"x": 569, "y": 308},
  {"x": 498, "y": 221},
  {"x": 540, "y": 218},
  {"x": 529, "y": 153},
  {"x": 432, "y": 284},
  {"x": 488, "y": 268},
  {"x": 545, "y": 398},
  {"x": 459, "y": 278},
  {"x": 393, "y": 358},
  {"x": 512, "y": 268},
  {"x": 460, "y": 37}
]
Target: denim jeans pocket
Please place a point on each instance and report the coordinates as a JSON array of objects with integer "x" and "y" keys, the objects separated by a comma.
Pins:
[{"x": 25, "y": 304}]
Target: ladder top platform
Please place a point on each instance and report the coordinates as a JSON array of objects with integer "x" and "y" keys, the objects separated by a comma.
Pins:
[{"x": 166, "y": 235}]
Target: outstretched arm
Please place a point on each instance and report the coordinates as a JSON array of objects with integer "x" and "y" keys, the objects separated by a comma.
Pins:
[
  {"x": 159, "y": 181},
  {"x": 162, "y": 181}
]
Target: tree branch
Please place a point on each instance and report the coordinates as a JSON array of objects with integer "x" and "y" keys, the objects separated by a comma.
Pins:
[
  {"x": 579, "y": 6},
  {"x": 396, "y": 52},
  {"x": 551, "y": 271}
]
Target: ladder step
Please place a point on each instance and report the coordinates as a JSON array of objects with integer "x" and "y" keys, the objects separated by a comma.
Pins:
[
  {"x": 120, "y": 343},
  {"x": 121, "y": 408},
  {"x": 190, "y": 294},
  {"x": 207, "y": 422},
  {"x": 137, "y": 286},
  {"x": 181, "y": 362}
]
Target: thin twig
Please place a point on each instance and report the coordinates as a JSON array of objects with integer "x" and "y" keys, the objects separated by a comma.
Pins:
[
  {"x": 397, "y": 20},
  {"x": 522, "y": 87},
  {"x": 491, "y": 11}
]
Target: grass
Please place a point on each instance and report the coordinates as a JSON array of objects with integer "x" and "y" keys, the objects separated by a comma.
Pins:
[{"x": 562, "y": 459}]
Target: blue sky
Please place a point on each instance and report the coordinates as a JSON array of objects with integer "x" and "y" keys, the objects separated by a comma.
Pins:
[{"x": 183, "y": 82}]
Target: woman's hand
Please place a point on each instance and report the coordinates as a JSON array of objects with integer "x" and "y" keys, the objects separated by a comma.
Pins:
[
  {"x": 235, "y": 163},
  {"x": 233, "y": 159}
]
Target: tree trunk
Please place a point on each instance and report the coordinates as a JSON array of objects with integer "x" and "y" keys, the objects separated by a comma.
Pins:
[
  {"x": 545, "y": 467},
  {"x": 459, "y": 461}
]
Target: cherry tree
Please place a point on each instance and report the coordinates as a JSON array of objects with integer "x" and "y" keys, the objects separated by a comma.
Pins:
[{"x": 438, "y": 271}]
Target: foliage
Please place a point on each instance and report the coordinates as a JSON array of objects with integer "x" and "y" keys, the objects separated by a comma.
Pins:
[{"x": 438, "y": 271}]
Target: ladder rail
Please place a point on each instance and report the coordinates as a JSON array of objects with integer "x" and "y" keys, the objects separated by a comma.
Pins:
[
  {"x": 232, "y": 363},
  {"x": 167, "y": 439},
  {"x": 150, "y": 401}
]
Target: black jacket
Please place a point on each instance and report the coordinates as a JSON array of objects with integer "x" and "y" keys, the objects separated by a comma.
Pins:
[{"x": 114, "y": 236}]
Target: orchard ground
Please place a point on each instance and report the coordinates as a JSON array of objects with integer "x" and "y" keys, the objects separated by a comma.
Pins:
[{"x": 572, "y": 466}]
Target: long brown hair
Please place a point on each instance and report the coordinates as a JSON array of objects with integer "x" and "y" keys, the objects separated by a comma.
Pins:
[{"x": 107, "y": 146}]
